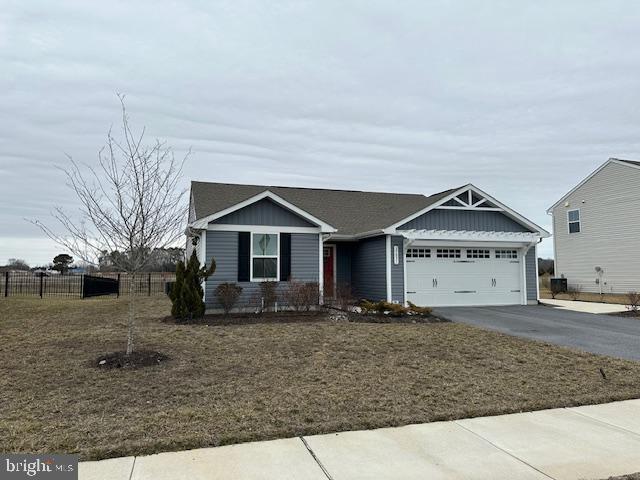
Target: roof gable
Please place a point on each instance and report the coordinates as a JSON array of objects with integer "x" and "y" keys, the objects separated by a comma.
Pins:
[
  {"x": 264, "y": 212},
  {"x": 627, "y": 163}
]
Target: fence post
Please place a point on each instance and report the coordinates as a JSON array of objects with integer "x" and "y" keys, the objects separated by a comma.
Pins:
[
  {"x": 82, "y": 285},
  {"x": 118, "y": 296},
  {"x": 41, "y": 282},
  {"x": 149, "y": 284},
  {"x": 6, "y": 283}
]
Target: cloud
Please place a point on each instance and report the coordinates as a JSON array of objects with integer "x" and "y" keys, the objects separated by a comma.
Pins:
[{"x": 521, "y": 100}]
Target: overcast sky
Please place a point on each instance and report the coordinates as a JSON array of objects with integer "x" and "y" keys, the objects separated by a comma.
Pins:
[{"x": 522, "y": 99}]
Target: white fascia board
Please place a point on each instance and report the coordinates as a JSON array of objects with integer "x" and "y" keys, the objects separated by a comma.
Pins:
[
  {"x": 325, "y": 227},
  {"x": 501, "y": 207},
  {"x": 470, "y": 236},
  {"x": 220, "y": 227},
  {"x": 594, "y": 173}
]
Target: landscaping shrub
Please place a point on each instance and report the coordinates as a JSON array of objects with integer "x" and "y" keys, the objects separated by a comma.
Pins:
[
  {"x": 574, "y": 292},
  {"x": 269, "y": 292},
  {"x": 555, "y": 289},
  {"x": 419, "y": 310},
  {"x": 633, "y": 301},
  {"x": 228, "y": 295},
  {"x": 187, "y": 294},
  {"x": 345, "y": 299},
  {"x": 301, "y": 296}
]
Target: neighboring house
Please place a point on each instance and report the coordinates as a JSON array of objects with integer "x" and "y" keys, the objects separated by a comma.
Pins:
[
  {"x": 457, "y": 247},
  {"x": 596, "y": 230}
]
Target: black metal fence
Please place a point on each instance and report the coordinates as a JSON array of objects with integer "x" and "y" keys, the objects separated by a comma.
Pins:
[{"x": 47, "y": 285}]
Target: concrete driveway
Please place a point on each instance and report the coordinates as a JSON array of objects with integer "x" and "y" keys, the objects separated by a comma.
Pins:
[{"x": 603, "y": 334}]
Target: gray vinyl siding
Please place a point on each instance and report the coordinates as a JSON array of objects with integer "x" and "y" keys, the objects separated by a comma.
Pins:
[
  {"x": 609, "y": 232},
  {"x": 368, "y": 269},
  {"x": 467, "y": 220},
  {"x": 344, "y": 252},
  {"x": 305, "y": 257},
  {"x": 397, "y": 271},
  {"x": 530, "y": 274},
  {"x": 223, "y": 247},
  {"x": 264, "y": 212}
]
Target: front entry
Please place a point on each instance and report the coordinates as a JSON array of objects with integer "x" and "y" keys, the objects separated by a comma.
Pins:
[{"x": 329, "y": 256}]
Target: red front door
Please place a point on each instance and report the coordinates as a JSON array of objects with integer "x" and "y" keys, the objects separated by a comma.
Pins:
[{"x": 328, "y": 252}]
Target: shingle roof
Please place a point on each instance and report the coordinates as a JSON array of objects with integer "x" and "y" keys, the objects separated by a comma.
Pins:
[
  {"x": 350, "y": 211},
  {"x": 632, "y": 162}
]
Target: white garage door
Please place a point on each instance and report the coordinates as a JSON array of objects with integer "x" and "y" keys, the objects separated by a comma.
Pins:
[{"x": 464, "y": 276}]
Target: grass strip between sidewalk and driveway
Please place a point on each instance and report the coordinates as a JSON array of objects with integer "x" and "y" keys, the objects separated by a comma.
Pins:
[{"x": 238, "y": 383}]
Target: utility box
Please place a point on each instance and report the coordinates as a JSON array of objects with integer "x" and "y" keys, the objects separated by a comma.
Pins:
[{"x": 559, "y": 285}]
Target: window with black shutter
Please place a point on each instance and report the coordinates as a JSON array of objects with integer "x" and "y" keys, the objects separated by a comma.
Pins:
[
  {"x": 244, "y": 256},
  {"x": 285, "y": 257}
]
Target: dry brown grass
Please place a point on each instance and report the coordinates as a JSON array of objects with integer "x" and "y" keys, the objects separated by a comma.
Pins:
[
  {"x": 235, "y": 383},
  {"x": 589, "y": 297}
]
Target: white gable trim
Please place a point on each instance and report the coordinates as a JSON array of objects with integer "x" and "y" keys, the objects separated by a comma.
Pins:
[
  {"x": 324, "y": 227},
  {"x": 593, "y": 174},
  {"x": 542, "y": 233}
]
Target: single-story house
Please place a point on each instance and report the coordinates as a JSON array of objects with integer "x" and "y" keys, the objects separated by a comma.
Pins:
[
  {"x": 596, "y": 231},
  {"x": 457, "y": 247}
]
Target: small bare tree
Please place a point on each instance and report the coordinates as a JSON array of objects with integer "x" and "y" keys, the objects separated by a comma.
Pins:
[
  {"x": 633, "y": 301},
  {"x": 130, "y": 202},
  {"x": 574, "y": 292}
]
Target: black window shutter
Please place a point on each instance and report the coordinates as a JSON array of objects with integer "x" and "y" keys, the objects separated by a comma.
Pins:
[
  {"x": 285, "y": 257},
  {"x": 243, "y": 256}
]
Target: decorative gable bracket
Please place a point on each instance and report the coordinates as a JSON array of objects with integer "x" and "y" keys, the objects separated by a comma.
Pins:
[{"x": 469, "y": 200}]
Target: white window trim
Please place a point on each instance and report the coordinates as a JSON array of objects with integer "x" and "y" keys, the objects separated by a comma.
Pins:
[
  {"x": 579, "y": 221},
  {"x": 252, "y": 256}
]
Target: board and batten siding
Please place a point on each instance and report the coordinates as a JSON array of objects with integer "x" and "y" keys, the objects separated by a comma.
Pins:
[
  {"x": 369, "y": 269},
  {"x": 223, "y": 247},
  {"x": 344, "y": 255},
  {"x": 464, "y": 220},
  {"x": 609, "y": 237},
  {"x": 531, "y": 276},
  {"x": 397, "y": 271},
  {"x": 263, "y": 212}
]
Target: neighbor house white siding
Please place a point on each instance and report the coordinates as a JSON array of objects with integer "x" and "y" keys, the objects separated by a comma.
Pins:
[{"x": 609, "y": 205}]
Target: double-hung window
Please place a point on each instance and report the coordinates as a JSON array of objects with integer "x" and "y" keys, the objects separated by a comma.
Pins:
[
  {"x": 264, "y": 256},
  {"x": 573, "y": 218}
]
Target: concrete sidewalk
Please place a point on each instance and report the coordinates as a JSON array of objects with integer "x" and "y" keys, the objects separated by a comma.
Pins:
[
  {"x": 585, "y": 307},
  {"x": 592, "y": 442}
]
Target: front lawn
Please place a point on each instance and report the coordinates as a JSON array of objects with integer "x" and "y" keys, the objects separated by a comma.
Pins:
[{"x": 236, "y": 383}]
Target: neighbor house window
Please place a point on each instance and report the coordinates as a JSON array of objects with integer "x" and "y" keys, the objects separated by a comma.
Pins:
[
  {"x": 264, "y": 256},
  {"x": 573, "y": 216}
]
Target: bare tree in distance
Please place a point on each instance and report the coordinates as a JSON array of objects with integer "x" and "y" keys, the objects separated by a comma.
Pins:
[{"x": 130, "y": 202}]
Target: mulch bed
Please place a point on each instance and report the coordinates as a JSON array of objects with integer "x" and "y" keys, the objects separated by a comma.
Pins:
[
  {"x": 250, "y": 318},
  {"x": 137, "y": 359},
  {"x": 324, "y": 315}
]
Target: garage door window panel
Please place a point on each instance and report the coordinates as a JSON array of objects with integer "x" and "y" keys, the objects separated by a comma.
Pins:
[
  {"x": 507, "y": 254},
  {"x": 478, "y": 253},
  {"x": 448, "y": 253}
]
